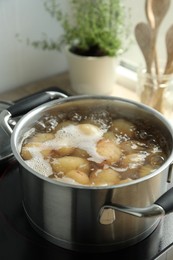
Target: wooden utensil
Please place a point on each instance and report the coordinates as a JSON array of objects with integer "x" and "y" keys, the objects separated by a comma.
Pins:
[
  {"x": 159, "y": 9},
  {"x": 168, "y": 68},
  {"x": 169, "y": 49},
  {"x": 149, "y": 13},
  {"x": 143, "y": 34},
  {"x": 155, "y": 12}
]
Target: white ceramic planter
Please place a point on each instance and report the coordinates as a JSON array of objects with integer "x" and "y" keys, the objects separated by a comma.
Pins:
[{"x": 92, "y": 75}]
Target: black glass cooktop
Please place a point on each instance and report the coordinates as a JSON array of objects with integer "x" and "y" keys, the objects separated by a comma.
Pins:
[{"x": 18, "y": 241}]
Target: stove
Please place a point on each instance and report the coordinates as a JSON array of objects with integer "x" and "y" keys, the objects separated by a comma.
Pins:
[{"x": 18, "y": 240}]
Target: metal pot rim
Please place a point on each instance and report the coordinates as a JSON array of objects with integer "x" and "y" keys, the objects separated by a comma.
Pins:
[
  {"x": 7, "y": 155},
  {"x": 50, "y": 104}
]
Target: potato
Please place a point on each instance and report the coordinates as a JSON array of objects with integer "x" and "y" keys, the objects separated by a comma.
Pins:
[
  {"x": 109, "y": 135},
  {"x": 133, "y": 160},
  {"x": 36, "y": 142},
  {"x": 26, "y": 151},
  {"x": 80, "y": 153},
  {"x": 104, "y": 177},
  {"x": 64, "y": 124},
  {"x": 78, "y": 176},
  {"x": 145, "y": 170},
  {"x": 68, "y": 163},
  {"x": 132, "y": 146},
  {"x": 31, "y": 150},
  {"x": 123, "y": 127},
  {"x": 88, "y": 129},
  {"x": 64, "y": 151},
  {"x": 109, "y": 150},
  {"x": 42, "y": 137},
  {"x": 125, "y": 181}
]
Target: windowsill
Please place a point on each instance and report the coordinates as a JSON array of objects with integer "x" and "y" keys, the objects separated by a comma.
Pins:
[
  {"x": 124, "y": 87},
  {"x": 126, "y": 82},
  {"x": 127, "y": 76}
]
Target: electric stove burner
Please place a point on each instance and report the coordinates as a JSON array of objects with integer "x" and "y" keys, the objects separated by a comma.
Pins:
[{"x": 18, "y": 240}]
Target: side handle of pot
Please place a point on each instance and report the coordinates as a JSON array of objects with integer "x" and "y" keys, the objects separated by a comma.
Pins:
[
  {"x": 25, "y": 105},
  {"x": 164, "y": 205},
  {"x": 166, "y": 201},
  {"x": 30, "y": 102}
]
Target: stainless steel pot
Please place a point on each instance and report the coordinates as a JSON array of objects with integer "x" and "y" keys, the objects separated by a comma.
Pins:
[
  {"x": 5, "y": 150},
  {"x": 92, "y": 218}
]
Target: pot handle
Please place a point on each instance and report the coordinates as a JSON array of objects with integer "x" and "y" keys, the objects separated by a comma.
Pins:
[
  {"x": 26, "y": 104},
  {"x": 162, "y": 206},
  {"x": 166, "y": 201}
]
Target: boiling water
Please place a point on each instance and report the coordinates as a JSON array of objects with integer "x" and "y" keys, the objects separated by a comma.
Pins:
[{"x": 94, "y": 149}]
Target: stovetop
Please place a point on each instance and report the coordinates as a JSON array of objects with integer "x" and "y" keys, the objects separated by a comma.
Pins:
[{"x": 18, "y": 241}]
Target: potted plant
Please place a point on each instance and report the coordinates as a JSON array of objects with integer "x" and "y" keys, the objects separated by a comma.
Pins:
[{"x": 94, "y": 34}]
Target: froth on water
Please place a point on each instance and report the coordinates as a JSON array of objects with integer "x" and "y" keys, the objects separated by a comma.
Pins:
[{"x": 93, "y": 149}]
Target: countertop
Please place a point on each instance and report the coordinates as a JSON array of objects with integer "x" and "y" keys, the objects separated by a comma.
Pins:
[{"x": 63, "y": 82}]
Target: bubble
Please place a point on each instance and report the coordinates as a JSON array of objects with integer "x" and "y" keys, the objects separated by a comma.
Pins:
[
  {"x": 47, "y": 124},
  {"x": 75, "y": 136},
  {"x": 78, "y": 133},
  {"x": 38, "y": 164}
]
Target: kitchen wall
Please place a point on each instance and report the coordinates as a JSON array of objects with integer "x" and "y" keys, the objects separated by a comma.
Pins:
[{"x": 21, "y": 64}]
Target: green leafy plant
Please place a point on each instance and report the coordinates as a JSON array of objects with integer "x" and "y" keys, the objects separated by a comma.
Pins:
[{"x": 91, "y": 28}]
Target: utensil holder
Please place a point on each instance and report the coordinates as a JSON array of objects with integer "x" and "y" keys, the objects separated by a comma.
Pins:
[{"x": 153, "y": 90}]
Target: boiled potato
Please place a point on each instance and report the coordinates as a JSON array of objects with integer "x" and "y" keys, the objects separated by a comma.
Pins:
[
  {"x": 78, "y": 176},
  {"x": 133, "y": 160},
  {"x": 56, "y": 153},
  {"x": 125, "y": 181},
  {"x": 36, "y": 144},
  {"x": 33, "y": 149},
  {"x": 42, "y": 137},
  {"x": 104, "y": 177},
  {"x": 26, "y": 151},
  {"x": 64, "y": 151},
  {"x": 109, "y": 150},
  {"x": 123, "y": 127},
  {"x": 145, "y": 170},
  {"x": 109, "y": 135},
  {"x": 132, "y": 146},
  {"x": 80, "y": 153},
  {"x": 88, "y": 129},
  {"x": 68, "y": 163},
  {"x": 64, "y": 124}
]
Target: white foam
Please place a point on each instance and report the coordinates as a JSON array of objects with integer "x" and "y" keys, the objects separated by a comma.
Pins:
[
  {"x": 39, "y": 164},
  {"x": 69, "y": 136},
  {"x": 73, "y": 136}
]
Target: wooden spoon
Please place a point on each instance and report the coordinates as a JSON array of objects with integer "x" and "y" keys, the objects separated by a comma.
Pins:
[
  {"x": 169, "y": 48},
  {"x": 149, "y": 13},
  {"x": 159, "y": 8},
  {"x": 143, "y": 34},
  {"x": 168, "y": 67},
  {"x": 155, "y": 12}
]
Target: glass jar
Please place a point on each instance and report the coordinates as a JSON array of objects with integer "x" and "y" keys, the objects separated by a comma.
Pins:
[{"x": 156, "y": 90}]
